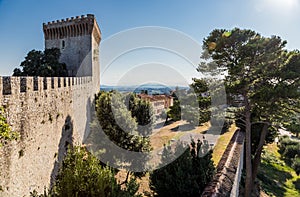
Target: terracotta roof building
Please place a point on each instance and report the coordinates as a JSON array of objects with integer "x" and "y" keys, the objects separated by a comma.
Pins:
[{"x": 159, "y": 102}]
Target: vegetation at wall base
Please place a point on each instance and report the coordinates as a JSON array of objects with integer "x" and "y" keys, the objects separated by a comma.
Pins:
[
  {"x": 6, "y": 134},
  {"x": 82, "y": 175}
]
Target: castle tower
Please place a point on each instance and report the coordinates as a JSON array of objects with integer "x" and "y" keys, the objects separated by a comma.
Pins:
[{"x": 78, "y": 40}]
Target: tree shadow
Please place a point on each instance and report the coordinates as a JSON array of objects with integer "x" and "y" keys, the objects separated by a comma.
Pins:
[
  {"x": 65, "y": 140},
  {"x": 297, "y": 184},
  {"x": 159, "y": 125},
  {"x": 204, "y": 132},
  {"x": 185, "y": 127},
  {"x": 214, "y": 130},
  {"x": 90, "y": 109},
  {"x": 273, "y": 179},
  {"x": 175, "y": 128},
  {"x": 168, "y": 122}
]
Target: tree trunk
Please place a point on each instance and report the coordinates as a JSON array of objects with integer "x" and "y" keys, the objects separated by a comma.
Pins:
[
  {"x": 257, "y": 157},
  {"x": 248, "y": 184},
  {"x": 126, "y": 180}
]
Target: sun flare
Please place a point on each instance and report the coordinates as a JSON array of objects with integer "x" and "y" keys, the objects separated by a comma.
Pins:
[{"x": 283, "y": 3}]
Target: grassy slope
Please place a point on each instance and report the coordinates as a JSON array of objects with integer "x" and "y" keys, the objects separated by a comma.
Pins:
[{"x": 276, "y": 178}]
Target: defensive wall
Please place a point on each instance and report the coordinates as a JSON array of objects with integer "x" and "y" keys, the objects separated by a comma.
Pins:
[
  {"x": 229, "y": 170},
  {"x": 50, "y": 114}
]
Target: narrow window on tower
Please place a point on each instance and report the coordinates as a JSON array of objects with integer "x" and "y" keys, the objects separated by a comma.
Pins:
[{"x": 63, "y": 44}]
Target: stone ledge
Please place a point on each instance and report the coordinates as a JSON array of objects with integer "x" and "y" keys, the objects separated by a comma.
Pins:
[{"x": 17, "y": 85}]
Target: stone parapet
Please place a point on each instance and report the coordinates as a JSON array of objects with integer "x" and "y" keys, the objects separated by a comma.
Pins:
[
  {"x": 19, "y": 85},
  {"x": 227, "y": 169}
]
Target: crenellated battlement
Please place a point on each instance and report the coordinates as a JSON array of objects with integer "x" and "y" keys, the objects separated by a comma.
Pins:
[
  {"x": 72, "y": 27},
  {"x": 18, "y": 85},
  {"x": 72, "y": 19}
]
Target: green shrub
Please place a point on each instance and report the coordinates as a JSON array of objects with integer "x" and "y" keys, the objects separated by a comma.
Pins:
[
  {"x": 34, "y": 193},
  {"x": 81, "y": 175},
  {"x": 296, "y": 165},
  {"x": 6, "y": 134},
  {"x": 270, "y": 158},
  {"x": 284, "y": 142},
  {"x": 291, "y": 151},
  {"x": 226, "y": 125}
]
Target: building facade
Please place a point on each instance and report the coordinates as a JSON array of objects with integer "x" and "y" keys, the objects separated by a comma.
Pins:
[{"x": 160, "y": 103}]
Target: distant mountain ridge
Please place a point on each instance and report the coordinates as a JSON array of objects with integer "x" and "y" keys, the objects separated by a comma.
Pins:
[{"x": 150, "y": 88}]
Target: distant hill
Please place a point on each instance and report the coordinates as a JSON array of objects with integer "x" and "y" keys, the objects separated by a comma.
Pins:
[{"x": 150, "y": 88}]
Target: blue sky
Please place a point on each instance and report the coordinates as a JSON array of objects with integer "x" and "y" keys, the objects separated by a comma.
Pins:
[{"x": 21, "y": 21}]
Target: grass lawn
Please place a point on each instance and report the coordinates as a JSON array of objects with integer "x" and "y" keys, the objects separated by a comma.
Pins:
[
  {"x": 222, "y": 144},
  {"x": 276, "y": 178}
]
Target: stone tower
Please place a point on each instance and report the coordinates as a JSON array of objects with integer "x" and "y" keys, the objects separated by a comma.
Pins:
[{"x": 78, "y": 40}]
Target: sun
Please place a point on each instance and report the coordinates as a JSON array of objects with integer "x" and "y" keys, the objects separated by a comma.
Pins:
[
  {"x": 277, "y": 6},
  {"x": 286, "y": 4}
]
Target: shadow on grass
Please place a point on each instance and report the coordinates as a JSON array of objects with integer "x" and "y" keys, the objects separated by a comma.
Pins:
[
  {"x": 273, "y": 179},
  {"x": 297, "y": 184},
  {"x": 168, "y": 122},
  {"x": 159, "y": 125},
  {"x": 175, "y": 129},
  {"x": 185, "y": 127}
]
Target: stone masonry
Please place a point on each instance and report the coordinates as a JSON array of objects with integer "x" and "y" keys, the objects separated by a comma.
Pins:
[
  {"x": 227, "y": 178},
  {"x": 50, "y": 113}
]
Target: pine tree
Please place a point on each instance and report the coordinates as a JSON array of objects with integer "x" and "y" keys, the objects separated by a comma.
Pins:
[
  {"x": 186, "y": 176},
  {"x": 262, "y": 74},
  {"x": 114, "y": 121},
  {"x": 143, "y": 112},
  {"x": 43, "y": 64}
]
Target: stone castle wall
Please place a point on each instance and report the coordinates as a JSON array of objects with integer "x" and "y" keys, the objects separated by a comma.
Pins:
[{"x": 50, "y": 114}]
